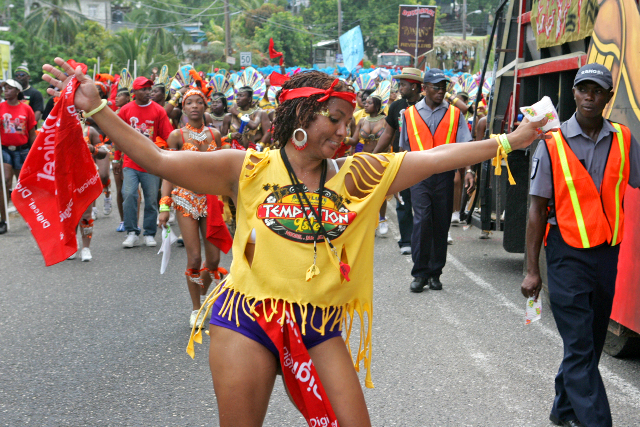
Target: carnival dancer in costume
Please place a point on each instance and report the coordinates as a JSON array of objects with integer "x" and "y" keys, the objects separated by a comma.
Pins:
[
  {"x": 99, "y": 152},
  {"x": 192, "y": 207},
  {"x": 250, "y": 88},
  {"x": 103, "y": 83},
  {"x": 222, "y": 94},
  {"x": 369, "y": 131},
  {"x": 295, "y": 209},
  {"x": 123, "y": 97}
]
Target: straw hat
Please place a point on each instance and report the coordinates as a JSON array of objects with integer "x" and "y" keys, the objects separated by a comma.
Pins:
[{"x": 410, "y": 74}]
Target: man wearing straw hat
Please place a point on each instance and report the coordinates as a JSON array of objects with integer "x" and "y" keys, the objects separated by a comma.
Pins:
[
  {"x": 17, "y": 133},
  {"x": 410, "y": 88}
]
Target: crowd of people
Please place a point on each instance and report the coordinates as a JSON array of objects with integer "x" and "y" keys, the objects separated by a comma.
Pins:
[{"x": 296, "y": 163}]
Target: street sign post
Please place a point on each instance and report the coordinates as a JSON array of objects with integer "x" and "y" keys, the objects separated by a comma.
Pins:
[{"x": 245, "y": 59}]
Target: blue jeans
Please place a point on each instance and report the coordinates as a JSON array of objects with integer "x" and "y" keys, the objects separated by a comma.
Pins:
[{"x": 150, "y": 184}]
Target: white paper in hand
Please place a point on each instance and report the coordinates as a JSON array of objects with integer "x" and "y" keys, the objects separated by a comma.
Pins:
[
  {"x": 533, "y": 310},
  {"x": 168, "y": 238},
  {"x": 541, "y": 109}
]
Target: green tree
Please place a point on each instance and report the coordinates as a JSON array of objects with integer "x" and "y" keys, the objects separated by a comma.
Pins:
[
  {"x": 162, "y": 37},
  {"x": 289, "y": 35},
  {"x": 54, "y": 23}
]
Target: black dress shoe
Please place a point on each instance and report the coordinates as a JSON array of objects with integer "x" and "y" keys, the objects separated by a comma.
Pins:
[
  {"x": 418, "y": 284},
  {"x": 3, "y": 227},
  {"x": 571, "y": 423},
  {"x": 435, "y": 284},
  {"x": 555, "y": 420}
]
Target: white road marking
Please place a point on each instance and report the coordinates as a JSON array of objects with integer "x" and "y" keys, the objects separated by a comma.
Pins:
[{"x": 628, "y": 391}]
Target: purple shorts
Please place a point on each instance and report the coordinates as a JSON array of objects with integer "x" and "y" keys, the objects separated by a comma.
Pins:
[{"x": 252, "y": 330}]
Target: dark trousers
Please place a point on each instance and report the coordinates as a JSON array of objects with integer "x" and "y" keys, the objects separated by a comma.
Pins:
[
  {"x": 581, "y": 289},
  {"x": 432, "y": 201},
  {"x": 405, "y": 218}
]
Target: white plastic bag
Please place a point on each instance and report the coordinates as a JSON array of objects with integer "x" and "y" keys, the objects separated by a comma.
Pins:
[
  {"x": 168, "y": 238},
  {"x": 533, "y": 310},
  {"x": 541, "y": 109}
]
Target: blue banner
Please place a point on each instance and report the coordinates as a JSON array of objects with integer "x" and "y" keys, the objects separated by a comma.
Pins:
[{"x": 352, "y": 48}]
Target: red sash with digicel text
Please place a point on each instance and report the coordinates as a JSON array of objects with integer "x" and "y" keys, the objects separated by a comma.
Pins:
[
  {"x": 58, "y": 181},
  {"x": 298, "y": 371}
]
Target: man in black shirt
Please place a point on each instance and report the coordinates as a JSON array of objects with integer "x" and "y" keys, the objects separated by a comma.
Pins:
[
  {"x": 32, "y": 96},
  {"x": 409, "y": 86}
]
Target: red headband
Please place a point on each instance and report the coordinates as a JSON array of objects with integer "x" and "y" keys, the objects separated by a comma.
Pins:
[{"x": 305, "y": 92}]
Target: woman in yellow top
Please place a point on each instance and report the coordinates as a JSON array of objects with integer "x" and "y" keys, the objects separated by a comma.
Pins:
[{"x": 277, "y": 195}]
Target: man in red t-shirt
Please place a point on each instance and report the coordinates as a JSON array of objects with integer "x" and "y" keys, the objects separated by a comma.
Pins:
[
  {"x": 18, "y": 131},
  {"x": 151, "y": 120}
]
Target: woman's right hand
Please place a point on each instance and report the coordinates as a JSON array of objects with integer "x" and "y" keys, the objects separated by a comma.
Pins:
[
  {"x": 526, "y": 133},
  {"x": 86, "y": 98},
  {"x": 163, "y": 219}
]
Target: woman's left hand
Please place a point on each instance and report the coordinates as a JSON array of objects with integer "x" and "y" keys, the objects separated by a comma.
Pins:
[
  {"x": 86, "y": 97},
  {"x": 526, "y": 133}
]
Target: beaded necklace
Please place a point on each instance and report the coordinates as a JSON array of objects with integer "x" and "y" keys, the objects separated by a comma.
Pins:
[{"x": 198, "y": 135}]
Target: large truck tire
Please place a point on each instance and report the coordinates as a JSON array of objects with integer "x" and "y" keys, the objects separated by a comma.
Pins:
[{"x": 621, "y": 346}]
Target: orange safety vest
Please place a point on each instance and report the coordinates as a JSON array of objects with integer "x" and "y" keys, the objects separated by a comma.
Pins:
[
  {"x": 586, "y": 217},
  {"x": 420, "y": 137}
]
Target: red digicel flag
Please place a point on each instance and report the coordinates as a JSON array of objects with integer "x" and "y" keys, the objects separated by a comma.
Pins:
[
  {"x": 274, "y": 53},
  {"x": 58, "y": 181}
]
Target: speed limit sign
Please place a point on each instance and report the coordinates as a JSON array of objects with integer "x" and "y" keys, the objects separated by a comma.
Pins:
[{"x": 245, "y": 59}]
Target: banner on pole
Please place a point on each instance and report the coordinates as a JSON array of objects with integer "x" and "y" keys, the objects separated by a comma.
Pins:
[
  {"x": 416, "y": 24},
  {"x": 556, "y": 22},
  {"x": 352, "y": 48},
  {"x": 5, "y": 60}
]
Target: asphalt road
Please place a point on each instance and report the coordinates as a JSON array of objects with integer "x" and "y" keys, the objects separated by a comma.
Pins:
[{"x": 103, "y": 343}]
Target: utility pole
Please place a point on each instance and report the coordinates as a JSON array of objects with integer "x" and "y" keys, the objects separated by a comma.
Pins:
[
  {"x": 227, "y": 30},
  {"x": 339, "y": 24},
  {"x": 464, "y": 19}
]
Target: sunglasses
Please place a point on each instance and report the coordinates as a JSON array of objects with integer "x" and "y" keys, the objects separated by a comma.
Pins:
[
  {"x": 438, "y": 88},
  {"x": 21, "y": 75}
]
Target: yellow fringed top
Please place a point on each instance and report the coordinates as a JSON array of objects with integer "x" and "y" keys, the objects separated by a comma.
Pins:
[{"x": 284, "y": 244}]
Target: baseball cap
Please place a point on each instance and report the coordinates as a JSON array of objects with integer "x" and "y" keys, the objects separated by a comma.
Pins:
[
  {"x": 596, "y": 73},
  {"x": 141, "y": 82},
  {"x": 13, "y": 83},
  {"x": 435, "y": 75}
]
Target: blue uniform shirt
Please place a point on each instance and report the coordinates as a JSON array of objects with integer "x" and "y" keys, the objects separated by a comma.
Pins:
[
  {"x": 592, "y": 154},
  {"x": 432, "y": 118}
]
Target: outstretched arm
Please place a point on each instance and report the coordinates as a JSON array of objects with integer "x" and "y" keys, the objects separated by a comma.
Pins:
[
  {"x": 419, "y": 165},
  {"x": 208, "y": 173}
]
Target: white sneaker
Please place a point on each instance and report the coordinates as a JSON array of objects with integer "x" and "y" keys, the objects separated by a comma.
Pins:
[
  {"x": 449, "y": 239},
  {"x": 131, "y": 240},
  {"x": 197, "y": 320},
  {"x": 484, "y": 234},
  {"x": 405, "y": 250},
  {"x": 94, "y": 213},
  {"x": 150, "y": 241},
  {"x": 85, "y": 255},
  {"x": 107, "y": 206},
  {"x": 383, "y": 228},
  {"x": 73, "y": 256},
  {"x": 455, "y": 218}
]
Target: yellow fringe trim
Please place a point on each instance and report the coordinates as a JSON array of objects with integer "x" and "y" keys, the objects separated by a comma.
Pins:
[{"x": 344, "y": 315}]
